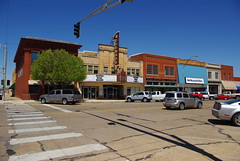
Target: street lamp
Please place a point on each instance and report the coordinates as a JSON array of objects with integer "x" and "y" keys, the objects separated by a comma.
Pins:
[{"x": 190, "y": 58}]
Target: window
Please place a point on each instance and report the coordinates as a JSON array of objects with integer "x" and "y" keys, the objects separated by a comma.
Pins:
[
  {"x": 209, "y": 75},
  {"x": 169, "y": 71},
  {"x": 128, "y": 71},
  {"x": 90, "y": 69},
  {"x": 133, "y": 71},
  {"x": 185, "y": 95},
  {"x": 224, "y": 76},
  {"x": 216, "y": 75},
  {"x": 67, "y": 92},
  {"x": 51, "y": 92},
  {"x": 112, "y": 70},
  {"x": 179, "y": 95},
  {"x": 34, "y": 56},
  {"x": 152, "y": 69},
  {"x": 229, "y": 76},
  {"x": 58, "y": 92},
  {"x": 95, "y": 70},
  {"x": 105, "y": 70},
  {"x": 137, "y": 72}
]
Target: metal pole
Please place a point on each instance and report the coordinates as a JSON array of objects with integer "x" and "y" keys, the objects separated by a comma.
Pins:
[{"x": 4, "y": 72}]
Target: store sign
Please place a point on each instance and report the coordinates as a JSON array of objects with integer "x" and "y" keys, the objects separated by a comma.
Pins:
[{"x": 194, "y": 80}]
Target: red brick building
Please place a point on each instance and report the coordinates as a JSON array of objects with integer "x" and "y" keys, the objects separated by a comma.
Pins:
[
  {"x": 27, "y": 52},
  {"x": 160, "y": 72}
]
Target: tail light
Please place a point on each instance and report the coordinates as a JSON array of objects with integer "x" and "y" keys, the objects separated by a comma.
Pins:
[{"x": 218, "y": 107}]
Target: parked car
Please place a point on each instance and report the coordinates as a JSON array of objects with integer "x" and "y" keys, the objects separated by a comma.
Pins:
[
  {"x": 63, "y": 96},
  {"x": 229, "y": 110},
  {"x": 144, "y": 96},
  {"x": 232, "y": 95},
  {"x": 208, "y": 95},
  {"x": 158, "y": 96},
  {"x": 223, "y": 97},
  {"x": 198, "y": 95},
  {"x": 181, "y": 100}
]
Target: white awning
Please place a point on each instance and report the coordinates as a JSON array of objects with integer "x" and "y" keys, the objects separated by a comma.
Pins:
[{"x": 229, "y": 85}]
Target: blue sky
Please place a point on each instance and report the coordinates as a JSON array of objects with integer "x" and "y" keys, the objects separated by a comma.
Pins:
[{"x": 175, "y": 28}]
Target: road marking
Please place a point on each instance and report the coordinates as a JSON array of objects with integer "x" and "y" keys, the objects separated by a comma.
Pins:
[
  {"x": 41, "y": 138},
  {"x": 57, "y": 108},
  {"x": 47, "y": 155},
  {"x": 17, "y": 131},
  {"x": 27, "y": 115},
  {"x": 30, "y": 123},
  {"x": 22, "y": 112},
  {"x": 28, "y": 118}
]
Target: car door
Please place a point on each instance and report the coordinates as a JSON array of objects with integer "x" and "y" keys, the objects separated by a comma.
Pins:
[
  {"x": 191, "y": 100},
  {"x": 51, "y": 96},
  {"x": 186, "y": 100},
  {"x": 57, "y": 97}
]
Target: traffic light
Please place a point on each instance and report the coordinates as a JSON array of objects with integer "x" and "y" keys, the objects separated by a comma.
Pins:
[
  {"x": 8, "y": 82},
  {"x": 77, "y": 29},
  {"x": 122, "y": 1}
]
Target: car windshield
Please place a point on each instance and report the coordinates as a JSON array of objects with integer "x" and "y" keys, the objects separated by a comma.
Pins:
[
  {"x": 232, "y": 101},
  {"x": 76, "y": 92}
]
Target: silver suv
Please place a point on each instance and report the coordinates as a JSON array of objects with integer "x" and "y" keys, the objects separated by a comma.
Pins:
[
  {"x": 181, "y": 100},
  {"x": 63, "y": 96},
  {"x": 144, "y": 96}
]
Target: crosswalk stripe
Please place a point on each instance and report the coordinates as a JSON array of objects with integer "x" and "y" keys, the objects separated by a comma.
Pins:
[
  {"x": 46, "y": 155},
  {"x": 41, "y": 138},
  {"x": 28, "y": 118},
  {"x": 57, "y": 108},
  {"x": 17, "y": 131},
  {"x": 26, "y": 115},
  {"x": 32, "y": 123}
]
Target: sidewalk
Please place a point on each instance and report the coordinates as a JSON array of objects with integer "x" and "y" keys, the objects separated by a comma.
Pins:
[{"x": 15, "y": 100}]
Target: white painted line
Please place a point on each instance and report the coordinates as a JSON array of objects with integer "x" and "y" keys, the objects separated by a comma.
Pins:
[
  {"x": 28, "y": 118},
  {"x": 47, "y": 155},
  {"x": 17, "y": 131},
  {"x": 41, "y": 138},
  {"x": 32, "y": 123},
  {"x": 57, "y": 108},
  {"x": 27, "y": 115},
  {"x": 22, "y": 112}
]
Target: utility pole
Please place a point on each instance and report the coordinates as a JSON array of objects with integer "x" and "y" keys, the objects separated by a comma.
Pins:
[
  {"x": 107, "y": 5},
  {"x": 4, "y": 71}
]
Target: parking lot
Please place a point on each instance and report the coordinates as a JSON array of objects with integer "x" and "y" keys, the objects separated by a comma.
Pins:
[{"x": 116, "y": 131}]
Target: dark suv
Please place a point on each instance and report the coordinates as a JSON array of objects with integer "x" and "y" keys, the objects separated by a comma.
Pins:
[{"x": 63, "y": 96}]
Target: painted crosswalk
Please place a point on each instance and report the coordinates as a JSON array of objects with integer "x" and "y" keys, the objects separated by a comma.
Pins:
[{"x": 28, "y": 121}]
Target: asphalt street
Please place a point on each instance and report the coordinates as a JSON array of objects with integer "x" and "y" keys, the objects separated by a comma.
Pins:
[{"x": 118, "y": 131}]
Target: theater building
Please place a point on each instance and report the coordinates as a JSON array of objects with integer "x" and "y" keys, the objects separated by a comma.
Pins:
[
  {"x": 27, "y": 52},
  {"x": 160, "y": 72},
  {"x": 105, "y": 80}
]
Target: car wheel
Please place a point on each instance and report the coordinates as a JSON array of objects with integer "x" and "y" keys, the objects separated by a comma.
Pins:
[
  {"x": 145, "y": 99},
  {"x": 43, "y": 100},
  {"x": 181, "y": 106},
  {"x": 129, "y": 99},
  {"x": 225, "y": 98},
  {"x": 64, "y": 101},
  {"x": 199, "y": 105},
  {"x": 168, "y": 108},
  {"x": 236, "y": 119}
]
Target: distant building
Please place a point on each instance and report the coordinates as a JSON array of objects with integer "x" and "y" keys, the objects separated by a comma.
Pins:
[
  {"x": 214, "y": 78},
  {"x": 160, "y": 72},
  {"x": 192, "y": 75},
  {"x": 103, "y": 80},
  {"x": 27, "y": 52}
]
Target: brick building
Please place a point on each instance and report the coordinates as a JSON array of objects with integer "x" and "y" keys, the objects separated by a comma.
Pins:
[{"x": 27, "y": 52}]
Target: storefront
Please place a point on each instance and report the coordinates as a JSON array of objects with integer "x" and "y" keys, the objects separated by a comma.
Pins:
[
  {"x": 192, "y": 78},
  {"x": 108, "y": 87}
]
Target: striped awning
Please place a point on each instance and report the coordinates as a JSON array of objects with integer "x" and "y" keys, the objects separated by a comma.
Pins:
[{"x": 229, "y": 85}]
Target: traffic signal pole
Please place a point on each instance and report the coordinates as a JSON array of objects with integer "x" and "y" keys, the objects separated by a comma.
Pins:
[
  {"x": 4, "y": 71},
  {"x": 107, "y": 5}
]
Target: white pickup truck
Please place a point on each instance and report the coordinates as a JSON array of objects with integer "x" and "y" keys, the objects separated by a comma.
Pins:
[
  {"x": 232, "y": 95},
  {"x": 158, "y": 96}
]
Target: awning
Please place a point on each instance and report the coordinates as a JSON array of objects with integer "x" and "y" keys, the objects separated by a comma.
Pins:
[
  {"x": 238, "y": 87},
  {"x": 229, "y": 85},
  {"x": 156, "y": 86},
  {"x": 12, "y": 86}
]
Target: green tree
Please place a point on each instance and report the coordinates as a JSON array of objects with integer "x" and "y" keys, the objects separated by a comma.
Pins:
[{"x": 58, "y": 67}]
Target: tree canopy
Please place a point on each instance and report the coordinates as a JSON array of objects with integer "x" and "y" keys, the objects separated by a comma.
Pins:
[{"x": 58, "y": 67}]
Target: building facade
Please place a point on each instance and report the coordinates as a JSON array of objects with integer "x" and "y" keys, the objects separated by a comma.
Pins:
[
  {"x": 104, "y": 81},
  {"x": 229, "y": 82},
  {"x": 27, "y": 52},
  {"x": 214, "y": 78},
  {"x": 159, "y": 72},
  {"x": 192, "y": 75}
]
